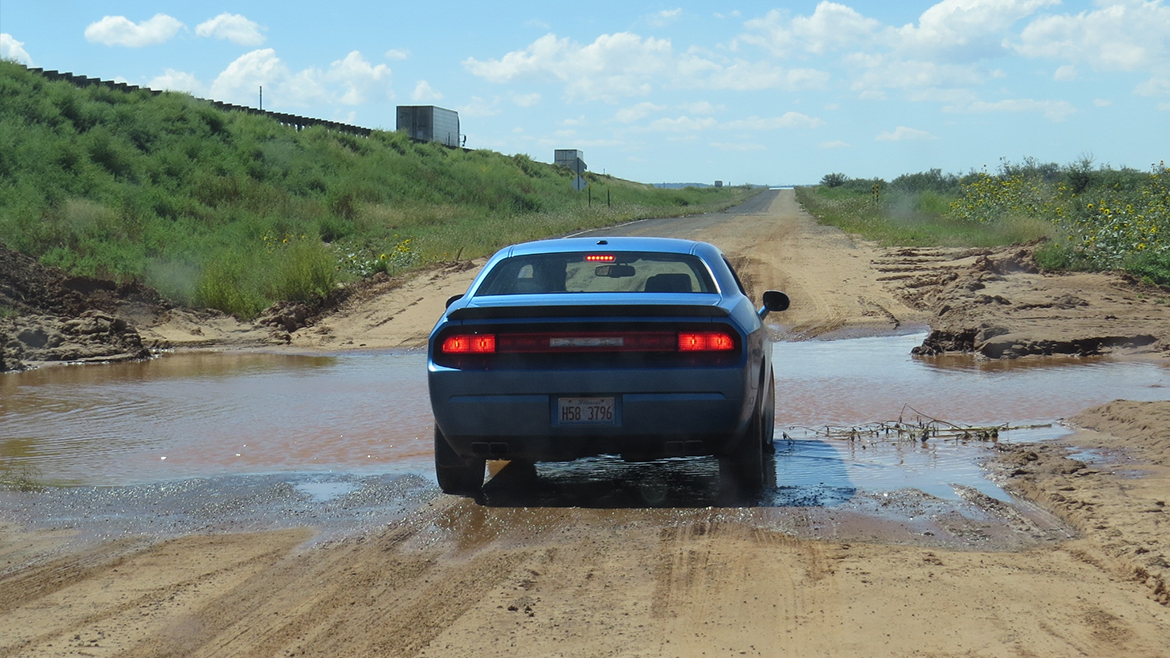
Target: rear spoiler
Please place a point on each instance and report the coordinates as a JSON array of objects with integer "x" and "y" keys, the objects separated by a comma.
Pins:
[{"x": 583, "y": 310}]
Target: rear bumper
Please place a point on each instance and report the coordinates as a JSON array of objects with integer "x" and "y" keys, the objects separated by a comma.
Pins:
[{"x": 658, "y": 413}]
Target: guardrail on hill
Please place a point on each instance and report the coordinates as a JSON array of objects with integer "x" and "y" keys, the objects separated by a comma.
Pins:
[{"x": 298, "y": 122}]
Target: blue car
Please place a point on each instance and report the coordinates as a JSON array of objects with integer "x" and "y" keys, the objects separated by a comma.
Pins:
[{"x": 640, "y": 347}]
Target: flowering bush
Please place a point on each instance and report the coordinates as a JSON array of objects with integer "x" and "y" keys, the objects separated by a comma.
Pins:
[
  {"x": 1105, "y": 225},
  {"x": 364, "y": 263}
]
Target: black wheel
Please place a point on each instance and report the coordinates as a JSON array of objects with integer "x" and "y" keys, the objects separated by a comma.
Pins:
[
  {"x": 746, "y": 464},
  {"x": 455, "y": 474},
  {"x": 770, "y": 412}
]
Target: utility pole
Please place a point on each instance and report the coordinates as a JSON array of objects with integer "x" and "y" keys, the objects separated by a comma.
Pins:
[{"x": 261, "y": 97}]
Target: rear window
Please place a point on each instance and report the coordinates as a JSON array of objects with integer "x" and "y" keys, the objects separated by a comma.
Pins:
[{"x": 598, "y": 272}]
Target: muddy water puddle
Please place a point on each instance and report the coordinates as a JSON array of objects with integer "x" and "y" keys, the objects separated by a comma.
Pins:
[{"x": 321, "y": 432}]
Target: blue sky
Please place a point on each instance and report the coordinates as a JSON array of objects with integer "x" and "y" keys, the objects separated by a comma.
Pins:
[{"x": 760, "y": 92}]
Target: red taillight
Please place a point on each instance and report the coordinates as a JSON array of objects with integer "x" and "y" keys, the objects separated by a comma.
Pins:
[
  {"x": 470, "y": 344},
  {"x": 600, "y": 258},
  {"x": 706, "y": 341}
]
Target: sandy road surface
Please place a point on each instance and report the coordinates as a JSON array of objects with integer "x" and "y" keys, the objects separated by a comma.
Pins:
[
  {"x": 519, "y": 576},
  {"x": 772, "y": 242}
]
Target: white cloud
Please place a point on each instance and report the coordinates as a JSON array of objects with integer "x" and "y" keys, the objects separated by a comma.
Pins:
[
  {"x": 622, "y": 65},
  {"x": 358, "y": 77},
  {"x": 742, "y": 75},
  {"x": 665, "y": 17},
  {"x": 613, "y": 66},
  {"x": 121, "y": 31},
  {"x": 1101, "y": 102},
  {"x": 526, "y": 100},
  {"x": 233, "y": 27},
  {"x": 1128, "y": 35},
  {"x": 724, "y": 146},
  {"x": 682, "y": 124},
  {"x": 636, "y": 112},
  {"x": 478, "y": 107},
  {"x": 1165, "y": 107},
  {"x": 241, "y": 80},
  {"x": 423, "y": 93},
  {"x": 348, "y": 81},
  {"x": 703, "y": 107},
  {"x": 14, "y": 50},
  {"x": 1159, "y": 85},
  {"x": 396, "y": 54},
  {"x": 902, "y": 133},
  {"x": 173, "y": 80},
  {"x": 1052, "y": 110},
  {"x": 877, "y": 72},
  {"x": 788, "y": 121},
  {"x": 831, "y": 27},
  {"x": 1065, "y": 73},
  {"x": 972, "y": 26},
  {"x": 835, "y": 144}
]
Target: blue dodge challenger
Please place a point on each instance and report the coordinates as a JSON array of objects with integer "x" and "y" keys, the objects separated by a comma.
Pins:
[{"x": 639, "y": 347}]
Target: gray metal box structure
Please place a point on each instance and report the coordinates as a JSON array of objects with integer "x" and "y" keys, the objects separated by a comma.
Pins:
[
  {"x": 571, "y": 158},
  {"x": 429, "y": 123}
]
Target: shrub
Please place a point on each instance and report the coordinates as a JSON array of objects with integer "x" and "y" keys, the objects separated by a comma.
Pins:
[{"x": 834, "y": 180}]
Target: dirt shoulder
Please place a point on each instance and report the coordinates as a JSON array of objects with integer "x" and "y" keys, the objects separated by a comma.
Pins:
[{"x": 1111, "y": 481}]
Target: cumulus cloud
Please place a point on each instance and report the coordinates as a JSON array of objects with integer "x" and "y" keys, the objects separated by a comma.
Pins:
[
  {"x": 13, "y": 50},
  {"x": 902, "y": 134},
  {"x": 831, "y": 27},
  {"x": 423, "y": 93},
  {"x": 232, "y": 27},
  {"x": 121, "y": 31},
  {"x": 396, "y": 54},
  {"x": 358, "y": 77},
  {"x": 1065, "y": 73},
  {"x": 1122, "y": 36},
  {"x": 172, "y": 80},
  {"x": 835, "y": 144},
  {"x": 974, "y": 27},
  {"x": 613, "y": 66},
  {"x": 348, "y": 81}
]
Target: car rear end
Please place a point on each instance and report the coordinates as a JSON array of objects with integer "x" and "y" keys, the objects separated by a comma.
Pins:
[{"x": 529, "y": 378}]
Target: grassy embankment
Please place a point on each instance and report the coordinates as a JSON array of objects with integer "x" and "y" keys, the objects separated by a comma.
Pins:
[
  {"x": 1095, "y": 218},
  {"x": 234, "y": 211}
]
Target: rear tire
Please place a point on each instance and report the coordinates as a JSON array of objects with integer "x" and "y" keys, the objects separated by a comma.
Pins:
[
  {"x": 770, "y": 412},
  {"x": 463, "y": 477},
  {"x": 746, "y": 464}
]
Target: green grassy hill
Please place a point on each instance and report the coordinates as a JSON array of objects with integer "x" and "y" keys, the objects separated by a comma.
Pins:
[{"x": 235, "y": 211}]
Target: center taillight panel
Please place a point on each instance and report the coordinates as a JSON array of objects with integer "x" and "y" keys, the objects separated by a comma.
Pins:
[{"x": 501, "y": 345}]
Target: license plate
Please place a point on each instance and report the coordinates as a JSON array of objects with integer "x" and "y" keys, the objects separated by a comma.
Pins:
[{"x": 585, "y": 411}]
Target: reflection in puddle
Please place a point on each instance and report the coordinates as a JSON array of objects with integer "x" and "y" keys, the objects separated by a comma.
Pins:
[{"x": 213, "y": 414}]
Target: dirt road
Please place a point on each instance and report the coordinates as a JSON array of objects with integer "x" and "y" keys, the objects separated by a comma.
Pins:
[{"x": 520, "y": 575}]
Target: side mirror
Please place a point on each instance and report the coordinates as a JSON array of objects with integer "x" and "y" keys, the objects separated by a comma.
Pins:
[
  {"x": 774, "y": 302},
  {"x": 452, "y": 299}
]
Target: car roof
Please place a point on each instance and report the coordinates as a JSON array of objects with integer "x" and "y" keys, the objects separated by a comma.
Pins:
[{"x": 620, "y": 243}]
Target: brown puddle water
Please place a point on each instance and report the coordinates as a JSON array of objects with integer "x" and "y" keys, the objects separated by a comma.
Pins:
[{"x": 211, "y": 414}]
